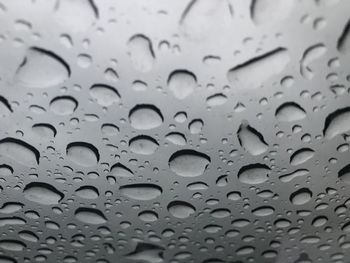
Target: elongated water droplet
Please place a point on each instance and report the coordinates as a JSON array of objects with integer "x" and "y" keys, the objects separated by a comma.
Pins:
[
  {"x": 142, "y": 192},
  {"x": 90, "y": 216},
  {"x": 290, "y": 112},
  {"x": 141, "y": 53},
  {"x": 181, "y": 209},
  {"x": 338, "y": 122},
  {"x": 256, "y": 71},
  {"x": 251, "y": 140},
  {"x": 42, "y": 193},
  {"x": 19, "y": 151}
]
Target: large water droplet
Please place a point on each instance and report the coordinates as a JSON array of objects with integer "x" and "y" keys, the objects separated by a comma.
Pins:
[
  {"x": 142, "y": 192},
  {"x": 311, "y": 54},
  {"x": 189, "y": 163},
  {"x": 301, "y": 196},
  {"x": 147, "y": 252},
  {"x": 66, "y": 14},
  {"x": 19, "y": 151},
  {"x": 87, "y": 192},
  {"x": 41, "y": 69},
  {"x": 83, "y": 153},
  {"x": 120, "y": 170},
  {"x": 254, "y": 72},
  {"x": 289, "y": 177},
  {"x": 301, "y": 156},
  {"x": 145, "y": 117},
  {"x": 12, "y": 245},
  {"x": 344, "y": 174},
  {"x": 42, "y": 193},
  {"x": 90, "y": 216},
  {"x": 251, "y": 140},
  {"x": 338, "y": 122},
  {"x": 141, "y": 53},
  {"x": 270, "y": 11},
  {"x": 104, "y": 95},
  {"x": 254, "y": 174},
  {"x": 344, "y": 40},
  {"x": 290, "y": 112},
  {"x": 143, "y": 144},
  {"x": 182, "y": 83},
  {"x": 63, "y": 105},
  {"x": 181, "y": 209}
]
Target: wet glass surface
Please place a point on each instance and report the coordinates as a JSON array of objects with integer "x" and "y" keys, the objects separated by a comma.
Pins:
[{"x": 200, "y": 131}]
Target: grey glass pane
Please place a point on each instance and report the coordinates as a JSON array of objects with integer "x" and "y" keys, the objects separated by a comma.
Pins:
[{"x": 200, "y": 131}]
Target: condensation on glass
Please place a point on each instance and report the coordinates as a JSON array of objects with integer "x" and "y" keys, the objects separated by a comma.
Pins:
[{"x": 200, "y": 131}]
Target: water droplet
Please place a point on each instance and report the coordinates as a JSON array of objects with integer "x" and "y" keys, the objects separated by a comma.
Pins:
[
  {"x": 289, "y": 177},
  {"x": 338, "y": 122},
  {"x": 344, "y": 40},
  {"x": 104, "y": 95},
  {"x": 269, "y": 11},
  {"x": 141, "y": 53},
  {"x": 301, "y": 196},
  {"x": 87, "y": 192},
  {"x": 42, "y": 193},
  {"x": 145, "y": 117},
  {"x": 148, "y": 216},
  {"x": 344, "y": 174},
  {"x": 254, "y": 173},
  {"x": 83, "y": 153},
  {"x": 182, "y": 83},
  {"x": 290, "y": 112},
  {"x": 254, "y": 72},
  {"x": 189, "y": 163},
  {"x": 143, "y": 144},
  {"x": 19, "y": 151},
  {"x": 181, "y": 209},
  {"x": 63, "y": 105},
  {"x": 141, "y": 192},
  {"x": 301, "y": 156},
  {"x": 263, "y": 211},
  {"x": 176, "y": 138},
  {"x": 147, "y": 252},
  {"x": 90, "y": 216},
  {"x": 216, "y": 100},
  {"x": 251, "y": 140},
  {"x": 66, "y": 14},
  {"x": 120, "y": 170},
  {"x": 311, "y": 54},
  {"x": 12, "y": 245},
  {"x": 41, "y": 69}
]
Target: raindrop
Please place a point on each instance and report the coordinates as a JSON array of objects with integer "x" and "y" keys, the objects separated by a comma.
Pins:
[
  {"x": 90, "y": 216},
  {"x": 310, "y": 55},
  {"x": 83, "y": 154},
  {"x": 143, "y": 144},
  {"x": 182, "y": 83},
  {"x": 143, "y": 192},
  {"x": 189, "y": 163},
  {"x": 301, "y": 156},
  {"x": 290, "y": 112},
  {"x": 256, "y": 71},
  {"x": 344, "y": 40},
  {"x": 19, "y": 151},
  {"x": 301, "y": 196},
  {"x": 104, "y": 95},
  {"x": 254, "y": 173},
  {"x": 41, "y": 69},
  {"x": 87, "y": 192},
  {"x": 63, "y": 105},
  {"x": 181, "y": 209},
  {"x": 251, "y": 140},
  {"x": 338, "y": 122},
  {"x": 42, "y": 193},
  {"x": 270, "y": 11},
  {"x": 145, "y": 117},
  {"x": 141, "y": 53}
]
